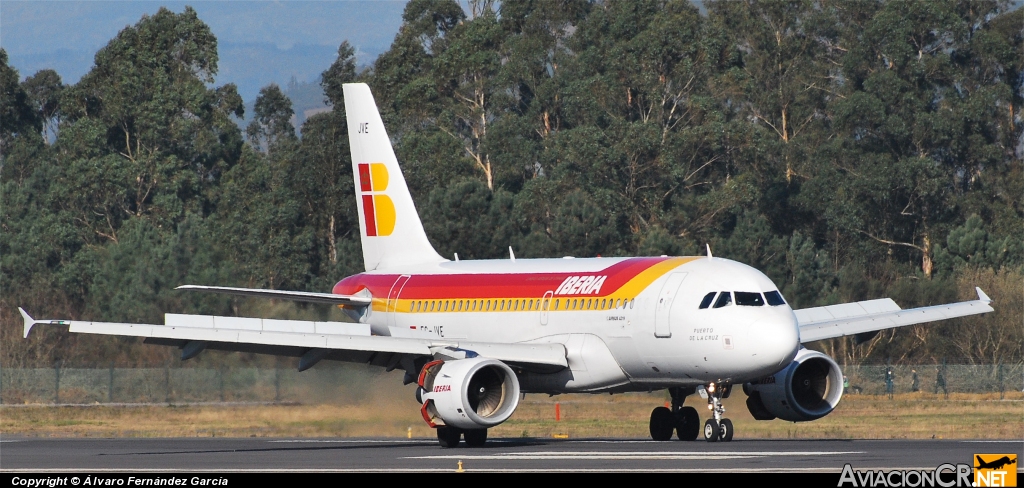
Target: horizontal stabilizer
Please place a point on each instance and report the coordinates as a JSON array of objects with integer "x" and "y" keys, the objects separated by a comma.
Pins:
[
  {"x": 855, "y": 318},
  {"x": 298, "y": 296}
]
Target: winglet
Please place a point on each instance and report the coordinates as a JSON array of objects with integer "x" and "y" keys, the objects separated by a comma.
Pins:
[
  {"x": 982, "y": 296},
  {"x": 29, "y": 321}
]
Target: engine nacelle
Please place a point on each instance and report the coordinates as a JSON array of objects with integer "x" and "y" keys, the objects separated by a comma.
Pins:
[
  {"x": 808, "y": 389},
  {"x": 472, "y": 393}
]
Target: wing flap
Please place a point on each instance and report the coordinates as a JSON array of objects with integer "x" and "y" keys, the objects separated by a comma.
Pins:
[
  {"x": 298, "y": 296},
  {"x": 859, "y": 317}
]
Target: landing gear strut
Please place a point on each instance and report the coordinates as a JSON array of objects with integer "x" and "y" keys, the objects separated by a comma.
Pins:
[
  {"x": 716, "y": 428},
  {"x": 683, "y": 420}
]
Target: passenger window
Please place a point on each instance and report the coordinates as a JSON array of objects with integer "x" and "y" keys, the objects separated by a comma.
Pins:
[
  {"x": 706, "y": 302},
  {"x": 774, "y": 298},
  {"x": 724, "y": 299},
  {"x": 748, "y": 299},
  {"x": 630, "y": 303}
]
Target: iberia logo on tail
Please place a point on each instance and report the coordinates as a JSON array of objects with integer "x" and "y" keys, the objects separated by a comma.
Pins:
[{"x": 378, "y": 209}]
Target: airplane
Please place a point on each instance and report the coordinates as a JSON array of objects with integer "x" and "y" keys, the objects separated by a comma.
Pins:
[
  {"x": 477, "y": 335},
  {"x": 997, "y": 464}
]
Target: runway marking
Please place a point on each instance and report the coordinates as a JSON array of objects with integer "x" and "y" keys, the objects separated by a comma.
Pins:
[
  {"x": 997, "y": 442},
  {"x": 328, "y": 441},
  {"x": 606, "y": 456}
]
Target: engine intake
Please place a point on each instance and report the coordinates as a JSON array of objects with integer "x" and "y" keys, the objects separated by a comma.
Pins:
[
  {"x": 471, "y": 393},
  {"x": 808, "y": 389}
]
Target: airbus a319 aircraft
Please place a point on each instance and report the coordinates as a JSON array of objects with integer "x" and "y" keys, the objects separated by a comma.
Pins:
[{"x": 474, "y": 335}]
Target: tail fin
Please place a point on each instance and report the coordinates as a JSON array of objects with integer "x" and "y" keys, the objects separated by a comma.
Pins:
[{"x": 391, "y": 231}]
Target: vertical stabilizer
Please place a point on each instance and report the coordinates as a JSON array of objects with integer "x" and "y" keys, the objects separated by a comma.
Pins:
[{"x": 391, "y": 231}]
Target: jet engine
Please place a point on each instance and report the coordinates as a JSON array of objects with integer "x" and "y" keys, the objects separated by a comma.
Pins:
[
  {"x": 472, "y": 393},
  {"x": 808, "y": 389}
]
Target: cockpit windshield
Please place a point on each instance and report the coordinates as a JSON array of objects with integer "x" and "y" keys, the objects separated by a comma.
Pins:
[
  {"x": 743, "y": 298},
  {"x": 724, "y": 299},
  {"x": 706, "y": 302},
  {"x": 774, "y": 298},
  {"x": 749, "y": 299}
]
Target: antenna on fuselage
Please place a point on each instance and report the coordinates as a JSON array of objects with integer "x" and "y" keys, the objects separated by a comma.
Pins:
[
  {"x": 709, "y": 251},
  {"x": 511, "y": 255},
  {"x": 456, "y": 257}
]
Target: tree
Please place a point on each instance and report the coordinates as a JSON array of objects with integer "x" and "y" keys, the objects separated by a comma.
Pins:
[
  {"x": 271, "y": 126},
  {"x": 45, "y": 89},
  {"x": 16, "y": 114}
]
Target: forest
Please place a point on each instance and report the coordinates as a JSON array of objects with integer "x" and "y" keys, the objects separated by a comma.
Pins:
[{"x": 850, "y": 150}]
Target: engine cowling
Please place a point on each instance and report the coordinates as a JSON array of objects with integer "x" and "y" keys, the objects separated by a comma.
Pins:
[
  {"x": 808, "y": 389},
  {"x": 473, "y": 393}
]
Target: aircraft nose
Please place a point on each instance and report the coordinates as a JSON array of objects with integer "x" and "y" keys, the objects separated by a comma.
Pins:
[{"x": 775, "y": 340}]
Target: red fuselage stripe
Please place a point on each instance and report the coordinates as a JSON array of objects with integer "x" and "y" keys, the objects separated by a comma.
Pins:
[{"x": 492, "y": 285}]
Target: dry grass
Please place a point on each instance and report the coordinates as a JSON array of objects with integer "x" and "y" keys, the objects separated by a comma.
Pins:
[{"x": 392, "y": 414}]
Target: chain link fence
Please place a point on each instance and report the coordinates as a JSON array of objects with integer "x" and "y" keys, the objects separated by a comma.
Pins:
[
  {"x": 171, "y": 385},
  {"x": 934, "y": 378}
]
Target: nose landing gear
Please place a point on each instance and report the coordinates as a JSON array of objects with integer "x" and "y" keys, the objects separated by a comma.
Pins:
[{"x": 716, "y": 428}]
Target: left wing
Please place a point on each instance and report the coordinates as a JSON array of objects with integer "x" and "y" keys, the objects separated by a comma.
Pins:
[
  {"x": 873, "y": 315},
  {"x": 312, "y": 341}
]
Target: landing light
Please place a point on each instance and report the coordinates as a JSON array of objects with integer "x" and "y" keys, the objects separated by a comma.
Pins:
[{"x": 711, "y": 388}]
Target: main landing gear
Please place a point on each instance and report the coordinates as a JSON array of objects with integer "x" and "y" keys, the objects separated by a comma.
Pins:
[
  {"x": 450, "y": 436},
  {"x": 686, "y": 422},
  {"x": 683, "y": 420}
]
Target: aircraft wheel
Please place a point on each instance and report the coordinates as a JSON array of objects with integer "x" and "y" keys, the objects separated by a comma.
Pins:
[
  {"x": 711, "y": 430},
  {"x": 475, "y": 437},
  {"x": 688, "y": 427},
  {"x": 662, "y": 424},
  {"x": 725, "y": 430},
  {"x": 448, "y": 436}
]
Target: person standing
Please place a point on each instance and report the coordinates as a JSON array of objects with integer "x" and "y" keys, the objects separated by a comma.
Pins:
[{"x": 940, "y": 381}]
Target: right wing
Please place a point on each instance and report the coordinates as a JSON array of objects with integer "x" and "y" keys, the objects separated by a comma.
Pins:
[
  {"x": 312, "y": 341},
  {"x": 298, "y": 296},
  {"x": 845, "y": 319}
]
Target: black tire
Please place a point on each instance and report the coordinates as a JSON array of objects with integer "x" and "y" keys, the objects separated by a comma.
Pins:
[
  {"x": 662, "y": 424},
  {"x": 711, "y": 430},
  {"x": 475, "y": 437},
  {"x": 725, "y": 430},
  {"x": 688, "y": 426},
  {"x": 448, "y": 437}
]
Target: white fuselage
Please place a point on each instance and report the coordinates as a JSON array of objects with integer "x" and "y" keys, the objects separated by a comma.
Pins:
[{"x": 638, "y": 328}]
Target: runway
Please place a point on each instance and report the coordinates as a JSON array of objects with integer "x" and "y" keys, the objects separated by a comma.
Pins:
[{"x": 424, "y": 455}]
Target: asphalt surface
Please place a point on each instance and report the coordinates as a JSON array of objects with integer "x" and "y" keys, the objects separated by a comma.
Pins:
[{"x": 424, "y": 455}]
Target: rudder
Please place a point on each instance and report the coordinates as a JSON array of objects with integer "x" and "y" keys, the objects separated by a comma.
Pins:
[{"x": 390, "y": 228}]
